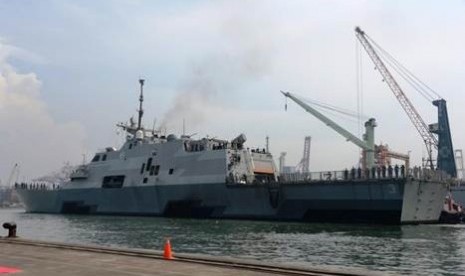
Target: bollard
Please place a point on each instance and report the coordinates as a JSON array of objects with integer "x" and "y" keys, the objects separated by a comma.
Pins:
[{"x": 11, "y": 226}]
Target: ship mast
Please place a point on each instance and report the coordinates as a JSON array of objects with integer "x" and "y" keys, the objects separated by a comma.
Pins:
[{"x": 141, "y": 100}]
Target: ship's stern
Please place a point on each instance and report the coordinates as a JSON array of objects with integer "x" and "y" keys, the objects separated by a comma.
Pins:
[{"x": 423, "y": 200}]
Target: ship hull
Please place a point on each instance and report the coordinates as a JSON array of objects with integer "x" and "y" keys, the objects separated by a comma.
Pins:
[{"x": 393, "y": 201}]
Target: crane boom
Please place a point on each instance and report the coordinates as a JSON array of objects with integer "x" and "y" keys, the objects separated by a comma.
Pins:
[
  {"x": 368, "y": 145},
  {"x": 428, "y": 138},
  {"x": 349, "y": 136}
]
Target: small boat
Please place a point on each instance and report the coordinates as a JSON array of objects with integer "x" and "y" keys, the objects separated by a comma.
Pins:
[{"x": 452, "y": 212}]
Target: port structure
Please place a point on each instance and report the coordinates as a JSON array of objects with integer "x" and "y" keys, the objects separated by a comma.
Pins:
[
  {"x": 443, "y": 144},
  {"x": 368, "y": 142},
  {"x": 6, "y": 190},
  {"x": 459, "y": 162},
  {"x": 282, "y": 161},
  {"x": 384, "y": 156},
  {"x": 304, "y": 164},
  {"x": 14, "y": 174}
]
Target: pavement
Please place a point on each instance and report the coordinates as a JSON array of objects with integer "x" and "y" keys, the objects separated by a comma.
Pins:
[{"x": 38, "y": 258}]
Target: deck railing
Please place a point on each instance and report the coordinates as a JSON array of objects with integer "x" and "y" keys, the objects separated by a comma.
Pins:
[
  {"x": 390, "y": 172},
  {"x": 36, "y": 186}
]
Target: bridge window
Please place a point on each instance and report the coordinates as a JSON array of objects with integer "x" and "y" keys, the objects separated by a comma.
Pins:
[
  {"x": 156, "y": 170},
  {"x": 113, "y": 181},
  {"x": 96, "y": 158},
  {"x": 104, "y": 157},
  {"x": 149, "y": 163}
]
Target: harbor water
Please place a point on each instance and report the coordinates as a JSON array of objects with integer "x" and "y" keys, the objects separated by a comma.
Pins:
[{"x": 409, "y": 249}]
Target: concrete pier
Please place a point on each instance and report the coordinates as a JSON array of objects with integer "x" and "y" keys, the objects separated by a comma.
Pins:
[{"x": 39, "y": 258}]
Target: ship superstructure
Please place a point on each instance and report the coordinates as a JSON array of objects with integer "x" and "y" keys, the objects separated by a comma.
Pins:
[{"x": 148, "y": 158}]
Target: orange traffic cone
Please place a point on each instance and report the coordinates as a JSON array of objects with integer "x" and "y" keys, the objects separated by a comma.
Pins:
[{"x": 167, "y": 254}]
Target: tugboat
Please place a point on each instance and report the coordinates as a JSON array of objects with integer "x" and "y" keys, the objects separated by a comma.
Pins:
[{"x": 452, "y": 212}]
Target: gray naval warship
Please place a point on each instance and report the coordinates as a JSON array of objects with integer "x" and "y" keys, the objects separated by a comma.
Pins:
[{"x": 156, "y": 175}]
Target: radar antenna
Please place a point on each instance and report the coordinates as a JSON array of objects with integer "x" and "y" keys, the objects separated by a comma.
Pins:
[{"x": 141, "y": 100}]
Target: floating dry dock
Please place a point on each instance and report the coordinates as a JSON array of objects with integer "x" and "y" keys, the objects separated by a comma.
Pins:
[{"x": 40, "y": 258}]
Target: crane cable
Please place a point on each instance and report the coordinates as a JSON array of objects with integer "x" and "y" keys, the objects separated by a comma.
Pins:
[
  {"x": 349, "y": 115},
  {"x": 404, "y": 73},
  {"x": 337, "y": 114},
  {"x": 433, "y": 94},
  {"x": 423, "y": 89}
]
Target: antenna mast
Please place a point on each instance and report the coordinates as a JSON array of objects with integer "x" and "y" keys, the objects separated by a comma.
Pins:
[{"x": 141, "y": 100}]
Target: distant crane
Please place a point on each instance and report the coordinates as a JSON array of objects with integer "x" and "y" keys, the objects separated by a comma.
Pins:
[
  {"x": 445, "y": 158},
  {"x": 384, "y": 155},
  {"x": 14, "y": 174},
  {"x": 304, "y": 164},
  {"x": 6, "y": 191}
]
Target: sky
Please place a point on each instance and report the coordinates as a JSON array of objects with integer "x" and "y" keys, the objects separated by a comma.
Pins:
[{"x": 69, "y": 72}]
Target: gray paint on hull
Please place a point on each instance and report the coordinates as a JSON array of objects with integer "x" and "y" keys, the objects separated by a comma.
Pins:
[{"x": 278, "y": 202}]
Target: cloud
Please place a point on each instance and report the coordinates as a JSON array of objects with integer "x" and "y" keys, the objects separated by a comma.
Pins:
[
  {"x": 31, "y": 137},
  {"x": 7, "y": 51}
]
